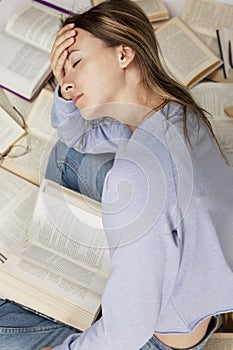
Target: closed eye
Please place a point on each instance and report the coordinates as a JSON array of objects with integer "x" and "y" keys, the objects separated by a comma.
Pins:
[{"x": 76, "y": 63}]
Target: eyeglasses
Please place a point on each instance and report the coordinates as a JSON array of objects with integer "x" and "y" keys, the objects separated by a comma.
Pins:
[{"x": 16, "y": 151}]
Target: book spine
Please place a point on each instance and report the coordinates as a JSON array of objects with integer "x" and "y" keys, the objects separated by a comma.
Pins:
[
  {"x": 221, "y": 53},
  {"x": 230, "y": 53},
  {"x": 55, "y": 7},
  {"x": 35, "y": 94}
]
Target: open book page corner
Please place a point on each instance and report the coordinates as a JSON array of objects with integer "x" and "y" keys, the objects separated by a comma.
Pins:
[{"x": 229, "y": 111}]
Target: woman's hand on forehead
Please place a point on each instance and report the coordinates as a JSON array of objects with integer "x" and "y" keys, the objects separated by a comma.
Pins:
[{"x": 59, "y": 53}]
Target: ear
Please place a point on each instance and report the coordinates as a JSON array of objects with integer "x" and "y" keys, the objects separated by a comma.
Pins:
[{"x": 125, "y": 55}]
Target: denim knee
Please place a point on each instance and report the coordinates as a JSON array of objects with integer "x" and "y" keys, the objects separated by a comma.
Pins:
[
  {"x": 83, "y": 173},
  {"x": 22, "y": 329}
]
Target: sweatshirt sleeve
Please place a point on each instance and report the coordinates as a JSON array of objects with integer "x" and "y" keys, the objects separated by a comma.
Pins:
[
  {"x": 102, "y": 135},
  {"x": 145, "y": 262}
]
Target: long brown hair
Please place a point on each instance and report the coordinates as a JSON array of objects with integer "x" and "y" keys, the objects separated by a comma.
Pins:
[{"x": 119, "y": 22}]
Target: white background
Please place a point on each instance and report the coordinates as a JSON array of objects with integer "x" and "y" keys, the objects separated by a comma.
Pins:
[{"x": 8, "y": 6}]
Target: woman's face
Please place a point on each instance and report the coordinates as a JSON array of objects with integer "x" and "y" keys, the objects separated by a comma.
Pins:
[{"x": 93, "y": 72}]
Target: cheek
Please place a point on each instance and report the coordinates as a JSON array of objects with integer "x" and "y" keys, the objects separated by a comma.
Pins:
[{"x": 107, "y": 82}]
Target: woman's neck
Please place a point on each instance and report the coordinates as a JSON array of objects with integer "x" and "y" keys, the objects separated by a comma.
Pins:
[{"x": 141, "y": 118}]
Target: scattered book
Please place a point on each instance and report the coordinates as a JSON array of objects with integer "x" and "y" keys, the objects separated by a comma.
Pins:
[
  {"x": 225, "y": 42},
  {"x": 27, "y": 41},
  {"x": 28, "y": 157},
  {"x": 156, "y": 10},
  {"x": 185, "y": 56},
  {"x": 61, "y": 268}
]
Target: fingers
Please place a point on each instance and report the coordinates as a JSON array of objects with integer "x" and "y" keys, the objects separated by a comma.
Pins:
[{"x": 64, "y": 39}]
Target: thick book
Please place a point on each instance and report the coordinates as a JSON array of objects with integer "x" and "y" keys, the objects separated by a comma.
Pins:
[
  {"x": 27, "y": 41},
  {"x": 184, "y": 55},
  {"x": 60, "y": 269},
  {"x": 28, "y": 156},
  {"x": 156, "y": 10}
]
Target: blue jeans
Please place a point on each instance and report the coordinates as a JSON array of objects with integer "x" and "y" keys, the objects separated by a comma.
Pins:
[
  {"x": 21, "y": 329},
  {"x": 83, "y": 173}
]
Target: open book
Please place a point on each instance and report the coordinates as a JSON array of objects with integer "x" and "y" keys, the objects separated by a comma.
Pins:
[
  {"x": 28, "y": 157},
  {"x": 27, "y": 41},
  {"x": 156, "y": 10},
  {"x": 60, "y": 270},
  {"x": 217, "y": 99},
  {"x": 187, "y": 58}
]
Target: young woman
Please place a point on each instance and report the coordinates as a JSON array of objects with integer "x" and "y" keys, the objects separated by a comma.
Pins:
[{"x": 134, "y": 138}]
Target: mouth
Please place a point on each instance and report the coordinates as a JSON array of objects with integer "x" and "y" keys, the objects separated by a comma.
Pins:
[{"x": 76, "y": 98}]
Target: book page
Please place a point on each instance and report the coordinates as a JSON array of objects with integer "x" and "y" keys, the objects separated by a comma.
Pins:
[
  {"x": 68, "y": 231},
  {"x": 214, "y": 97},
  {"x": 8, "y": 8},
  {"x": 39, "y": 119},
  {"x": 10, "y": 131},
  {"x": 17, "y": 201},
  {"x": 219, "y": 341},
  {"x": 32, "y": 164},
  {"x": 22, "y": 106},
  {"x": 7, "y": 106},
  {"x": 22, "y": 67},
  {"x": 35, "y": 24},
  {"x": 187, "y": 58},
  {"x": 37, "y": 265},
  {"x": 80, "y": 314},
  {"x": 154, "y": 9},
  {"x": 205, "y": 16}
]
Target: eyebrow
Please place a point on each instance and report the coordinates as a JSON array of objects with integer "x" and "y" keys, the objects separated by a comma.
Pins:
[{"x": 72, "y": 51}]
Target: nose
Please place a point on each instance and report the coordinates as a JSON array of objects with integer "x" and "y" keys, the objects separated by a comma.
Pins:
[{"x": 67, "y": 88}]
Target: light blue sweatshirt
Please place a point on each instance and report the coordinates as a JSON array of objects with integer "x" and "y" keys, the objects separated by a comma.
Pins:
[{"x": 168, "y": 217}]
